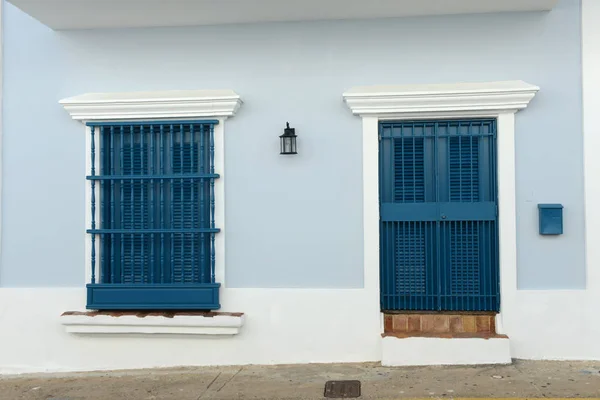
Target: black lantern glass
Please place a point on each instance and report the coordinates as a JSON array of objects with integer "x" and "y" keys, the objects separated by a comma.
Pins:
[{"x": 288, "y": 140}]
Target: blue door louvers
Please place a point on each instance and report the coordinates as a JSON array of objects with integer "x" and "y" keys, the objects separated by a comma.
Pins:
[
  {"x": 438, "y": 212},
  {"x": 157, "y": 216}
]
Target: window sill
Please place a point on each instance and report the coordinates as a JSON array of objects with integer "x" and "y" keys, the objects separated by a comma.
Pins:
[{"x": 169, "y": 323}]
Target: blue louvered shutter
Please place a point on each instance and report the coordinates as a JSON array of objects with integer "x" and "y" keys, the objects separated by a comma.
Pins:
[
  {"x": 135, "y": 213},
  {"x": 190, "y": 211},
  {"x": 409, "y": 170},
  {"x": 464, "y": 235},
  {"x": 464, "y": 168}
]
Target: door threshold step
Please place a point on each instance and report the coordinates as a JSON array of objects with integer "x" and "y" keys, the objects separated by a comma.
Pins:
[
  {"x": 412, "y": 324},
  {"x": 435, "y": 350},
  {"x": 477, "y": 335}
]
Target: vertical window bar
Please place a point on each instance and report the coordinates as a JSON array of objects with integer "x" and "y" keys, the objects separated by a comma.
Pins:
[
  {"x": 143, "y": 205},
  {"x": 132, "y": 258},
  {"x": 112, "y": 205},
  {"x": 162, "y": 205},
  {"x": 122, "y": 206},
  {"x": 152, "y": 205},
  {"x": 183, "y": 204},
  {"x": 93, "y": 183},
  {"x": 102, "y": 166},
  {"x": 171, "y": 201},
  {"x": 212, "y": 204},
  {"x": 202, "y": 213},
  {"x": 193, "y": 211}
]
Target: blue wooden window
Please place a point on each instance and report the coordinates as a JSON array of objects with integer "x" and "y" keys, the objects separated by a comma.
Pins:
[
  {"x": 157, "y": 228},
  {"x": 438, "y": 209}
]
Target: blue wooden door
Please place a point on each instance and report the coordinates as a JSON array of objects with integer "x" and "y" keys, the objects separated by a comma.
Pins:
[{"x": 438, "y": 212}]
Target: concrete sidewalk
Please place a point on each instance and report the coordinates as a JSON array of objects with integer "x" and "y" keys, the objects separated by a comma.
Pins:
[{"x": 521, "y": 379}]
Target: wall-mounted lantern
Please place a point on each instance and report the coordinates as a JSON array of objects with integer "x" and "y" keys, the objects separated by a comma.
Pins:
[{"x": 288, "y": 140}]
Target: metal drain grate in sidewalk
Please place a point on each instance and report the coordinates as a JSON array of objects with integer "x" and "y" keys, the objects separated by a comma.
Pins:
[{"x": 342, "y": 389}]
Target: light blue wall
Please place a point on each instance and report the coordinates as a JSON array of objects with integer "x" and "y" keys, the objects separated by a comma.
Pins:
[{"x": 291, "y": 221}]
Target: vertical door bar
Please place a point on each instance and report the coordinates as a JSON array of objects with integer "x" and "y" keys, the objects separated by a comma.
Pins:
[{"x": 193, "y": 206}]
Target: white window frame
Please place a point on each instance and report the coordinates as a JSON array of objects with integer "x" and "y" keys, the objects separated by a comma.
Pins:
[
  {"x": 151, "y": 106},
  {"x": 498, "y": 100}
]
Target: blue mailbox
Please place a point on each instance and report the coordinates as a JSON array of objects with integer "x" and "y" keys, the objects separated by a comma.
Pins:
[{"x": 551, "y": 219}]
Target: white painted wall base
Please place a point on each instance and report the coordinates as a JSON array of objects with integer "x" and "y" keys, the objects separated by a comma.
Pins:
[
  {"x": 440, "y": 351},
  {"x": 282, "y": 326}
]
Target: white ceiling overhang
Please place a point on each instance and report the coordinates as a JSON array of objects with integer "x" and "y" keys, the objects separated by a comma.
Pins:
[{"x": 92, "y": 14}]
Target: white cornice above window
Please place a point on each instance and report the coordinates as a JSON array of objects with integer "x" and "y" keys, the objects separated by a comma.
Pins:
[
  {"x": 439, "y": 100},
  {"x": 153, "y": 105}
]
